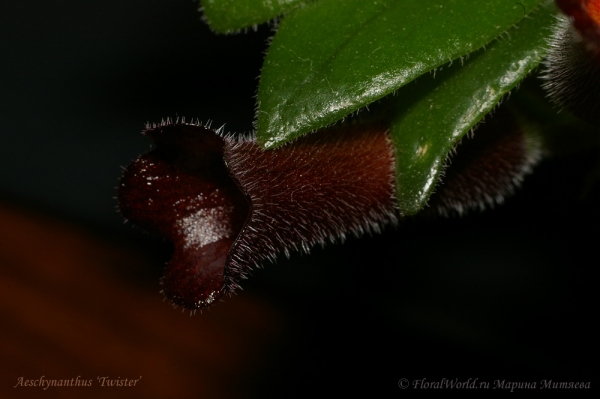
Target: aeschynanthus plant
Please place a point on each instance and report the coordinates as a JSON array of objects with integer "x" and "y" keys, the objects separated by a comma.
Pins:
[{"x": 229, "y": 203}]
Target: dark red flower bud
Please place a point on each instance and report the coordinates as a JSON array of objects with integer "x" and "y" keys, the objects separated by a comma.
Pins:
[
  {"x": 182, "y": 190},
  {"x": 228, "y": 205}
]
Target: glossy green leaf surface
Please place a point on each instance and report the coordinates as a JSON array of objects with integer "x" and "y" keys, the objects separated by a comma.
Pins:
[
  {"x": 332, "y": 57},
  {"x": 226, "y": 16},
  {"x": 432, "y": 115}
]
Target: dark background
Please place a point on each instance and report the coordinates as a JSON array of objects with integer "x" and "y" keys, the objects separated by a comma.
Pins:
[{"x": 503, "y": 295}]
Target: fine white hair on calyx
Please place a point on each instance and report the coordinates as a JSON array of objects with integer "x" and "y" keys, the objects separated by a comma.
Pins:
[
  {"x": 558, "y": 74},
  {"x": 308, "y": 197},
  {"x": 572, "y": 71}
]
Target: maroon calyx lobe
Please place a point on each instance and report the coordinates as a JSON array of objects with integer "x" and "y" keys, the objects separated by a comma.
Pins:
[
  {"x": 183, "y": 191},
  {"x": 319, "y": 188},
  {"x": 489, "y": 166}
]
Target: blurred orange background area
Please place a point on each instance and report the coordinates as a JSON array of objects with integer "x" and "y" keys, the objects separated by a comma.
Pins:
[
  {"x": 593, "y": 8},
  {"x": 72, "y": 306}
]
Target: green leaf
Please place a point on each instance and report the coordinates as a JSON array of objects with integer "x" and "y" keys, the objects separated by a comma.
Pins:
[
  {"x": 434, "y": 114},
  {"x": 225, "y": 16},
  {"x": 332, "y": 57}
]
